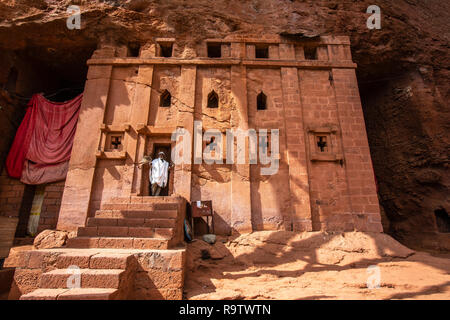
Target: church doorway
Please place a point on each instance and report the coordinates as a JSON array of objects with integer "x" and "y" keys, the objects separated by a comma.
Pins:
[{"x": 166, "y": 149}]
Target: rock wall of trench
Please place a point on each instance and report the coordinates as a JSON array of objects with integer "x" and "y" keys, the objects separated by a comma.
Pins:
[{"x": 403, "y": 73}]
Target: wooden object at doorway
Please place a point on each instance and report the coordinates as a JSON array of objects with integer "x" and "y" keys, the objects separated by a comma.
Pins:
[{"x": 200, "y": 209}]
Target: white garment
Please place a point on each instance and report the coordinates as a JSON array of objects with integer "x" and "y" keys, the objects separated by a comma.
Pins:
[{"x": 160, "y": 172}]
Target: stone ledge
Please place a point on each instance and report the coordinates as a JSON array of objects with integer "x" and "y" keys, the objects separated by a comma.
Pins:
[{"x": 306, "y": 64}]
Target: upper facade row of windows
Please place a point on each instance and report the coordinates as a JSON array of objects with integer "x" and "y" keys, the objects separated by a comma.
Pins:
[
  {"x": 165, "y": 100},
  {"x": 253, "y": 51}
]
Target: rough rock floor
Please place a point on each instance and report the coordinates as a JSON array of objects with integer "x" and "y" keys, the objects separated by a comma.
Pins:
[{"x": 286, "y": 265}]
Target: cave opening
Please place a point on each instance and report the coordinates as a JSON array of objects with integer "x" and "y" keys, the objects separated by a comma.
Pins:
[
  {"x": 442, "y": 220},
  {"x": 11, "y": 82},
  {"x": 58, "y": 73}
]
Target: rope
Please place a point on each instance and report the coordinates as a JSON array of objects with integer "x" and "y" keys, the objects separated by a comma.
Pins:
[{"x": 20, "y": 97}]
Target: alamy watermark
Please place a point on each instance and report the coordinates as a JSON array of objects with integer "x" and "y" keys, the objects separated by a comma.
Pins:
[
  {"x": 259, "y": 144},
  {"x": 374, "y": 21},
  {"x": 374, "y": 278},
  {"x": 74, "y": 280},
  {"x": 74, "y": 20}
]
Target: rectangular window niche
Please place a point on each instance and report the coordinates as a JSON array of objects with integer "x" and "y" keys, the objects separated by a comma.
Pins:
[
  {"x": 323, "y": 143},
  {"x": 113, "y": 142}
]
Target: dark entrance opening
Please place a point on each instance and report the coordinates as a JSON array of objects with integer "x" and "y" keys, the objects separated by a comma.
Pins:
[
  {"x": 310, "y": 53},
  {"x": 25, "y": 209},
  {"x": 166, "y": 149},
  {"x": 12, "y": 80},
  {"x": 214, "y": 50},
  {"x": 262, "y": 52},
  {"x": 442, "y": 220},
  {"x": 134, "y": 49},
  {"x": 165, "y": 50}
]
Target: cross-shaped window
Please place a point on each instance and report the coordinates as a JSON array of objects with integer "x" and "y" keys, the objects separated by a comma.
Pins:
[
  {"x": 322, "y": 143},
  {"x": 116, "y": 142}
]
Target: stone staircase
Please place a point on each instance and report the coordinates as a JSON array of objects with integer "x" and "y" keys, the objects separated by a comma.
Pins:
[
  {"x": 102, "y": 276},
  {"x": 134, "y": 223},
  {"x": 121, "y": 253}
]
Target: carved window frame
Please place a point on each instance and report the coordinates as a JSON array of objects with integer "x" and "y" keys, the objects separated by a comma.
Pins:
[
  {"x": 333, "y": 152},
  {"x": 107, "y": 132}
]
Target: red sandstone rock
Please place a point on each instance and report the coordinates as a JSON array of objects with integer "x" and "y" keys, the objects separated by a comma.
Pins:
[
  {"x": 104, "y": 274},
  {"x": 43, "y": 294},
  {"x": 110, "y": 261},
  {"x": 48, "y": 239},
  {"x": 318, "y": 265},
  {"x": 404, "y": 78},
  {"x": 88, "y": 294}
]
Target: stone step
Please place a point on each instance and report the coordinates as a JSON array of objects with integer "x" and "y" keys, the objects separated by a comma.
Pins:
[
  {"x": 71, "y": 294},
  {"x": 135, "y": 232},
  {"x": 89, "y": 278},
  {"x": 93, "y": 260},
  {"x": 137, "y": 214},
  {"x": 43, "y": 294},
  {"x": 144, "y": 199},
  {"x": 139, "y": 206},
  {"x": 117, "y": 243},
  {"x": 110, "y": 261},
  {"x": 79, "y": 259},
  {"x": 132, "y": 222},
  {"x": 89, "y": 294}
]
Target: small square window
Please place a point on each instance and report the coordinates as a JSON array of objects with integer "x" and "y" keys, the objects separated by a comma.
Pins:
[
  {"x": 214, "y": 50},
  {"x": 134, "y": 49},
  {"x": 310, "y": 53},
  {"x": 262, "y": 52},
  {"x": 165, "y": 50},
  {"x": 114, "y": 142}
]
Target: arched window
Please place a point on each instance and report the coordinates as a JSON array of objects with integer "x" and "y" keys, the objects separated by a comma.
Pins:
[
  {"x": 166, "y": 99},
  {"x": 213, "y": 100},
  {"x": 261, "y": 101}
]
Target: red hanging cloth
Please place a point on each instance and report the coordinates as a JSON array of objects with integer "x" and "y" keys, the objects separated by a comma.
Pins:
[{"x": 41, "y": 149}]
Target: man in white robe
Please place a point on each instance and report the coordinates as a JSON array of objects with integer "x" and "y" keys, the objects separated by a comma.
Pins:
[{"x": 159, "y": 174}]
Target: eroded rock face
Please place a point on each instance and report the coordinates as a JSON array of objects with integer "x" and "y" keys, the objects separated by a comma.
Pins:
[
  {"x": 314, "y": 265},
  {"x": 402, "y": 71},
  {"x": 48, "y": 239}
]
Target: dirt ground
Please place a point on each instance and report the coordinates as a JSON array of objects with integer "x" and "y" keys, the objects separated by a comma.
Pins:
[
  {"x": 286, "y": 265},
  {"x": 312, "y": 265}
]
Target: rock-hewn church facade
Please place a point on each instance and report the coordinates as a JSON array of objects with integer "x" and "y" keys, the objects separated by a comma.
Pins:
[{"x": 135, "y": 99}]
